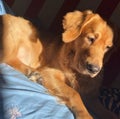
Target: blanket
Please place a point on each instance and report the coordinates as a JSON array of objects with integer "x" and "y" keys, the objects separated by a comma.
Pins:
[{"x": 24, "y": 99}]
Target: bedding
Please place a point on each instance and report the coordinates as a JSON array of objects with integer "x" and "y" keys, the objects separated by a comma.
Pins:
[{"x": 23, "y": 99}]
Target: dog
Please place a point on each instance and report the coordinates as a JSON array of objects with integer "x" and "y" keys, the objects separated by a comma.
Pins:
[
  {"x": 70, "y": 68},
  {"x": 86, "y": 44}
]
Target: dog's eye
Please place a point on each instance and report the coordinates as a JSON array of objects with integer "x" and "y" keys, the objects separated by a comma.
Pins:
[
  {"x": 91, "y": 39},
  {"x": 108, "y": 47}
]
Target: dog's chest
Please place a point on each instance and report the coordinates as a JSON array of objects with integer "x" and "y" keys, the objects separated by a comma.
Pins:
[{"x": 88, "y": 86}]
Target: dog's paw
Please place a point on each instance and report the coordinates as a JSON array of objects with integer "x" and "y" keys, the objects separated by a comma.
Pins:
[{"x": 35, "y": 77}]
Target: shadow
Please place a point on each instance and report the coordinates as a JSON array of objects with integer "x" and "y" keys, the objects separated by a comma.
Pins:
[{"x": 2, "y": 82}]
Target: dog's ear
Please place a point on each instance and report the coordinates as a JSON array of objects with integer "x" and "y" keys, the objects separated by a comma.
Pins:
[{"x": 73, "y": 23}]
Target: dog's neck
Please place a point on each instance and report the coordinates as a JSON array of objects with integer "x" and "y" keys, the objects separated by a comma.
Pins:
[{"x": 65, "y": 54}]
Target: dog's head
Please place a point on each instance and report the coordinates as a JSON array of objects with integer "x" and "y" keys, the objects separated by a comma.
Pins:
[{"x": 90, "y": 38}]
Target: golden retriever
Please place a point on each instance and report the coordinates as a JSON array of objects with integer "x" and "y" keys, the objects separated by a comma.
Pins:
[{"x": 69, "y": 67}]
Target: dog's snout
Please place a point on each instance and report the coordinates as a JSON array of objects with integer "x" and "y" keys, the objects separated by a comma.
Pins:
[{"x": 92, "y": 68}]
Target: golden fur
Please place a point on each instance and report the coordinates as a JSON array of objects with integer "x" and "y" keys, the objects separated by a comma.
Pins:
[
  {"x": 19, "y": 42},
  {"x": 70, "y": 66}
]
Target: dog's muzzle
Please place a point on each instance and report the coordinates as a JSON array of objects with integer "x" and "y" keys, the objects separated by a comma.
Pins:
[{"x": 92, "y": 68}]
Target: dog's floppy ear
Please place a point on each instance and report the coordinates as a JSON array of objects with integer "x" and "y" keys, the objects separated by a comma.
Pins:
[{"x": 73, "y": 22}]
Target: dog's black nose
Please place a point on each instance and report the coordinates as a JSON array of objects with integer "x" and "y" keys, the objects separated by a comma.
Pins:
[{"x": 92, "y": 68}]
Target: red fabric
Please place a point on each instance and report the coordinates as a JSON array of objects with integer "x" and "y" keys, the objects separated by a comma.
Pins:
[
  {"x": 107, "y": 7},
  {"x": 34, "y": 8},
  {"x": 68, "y": 5}
]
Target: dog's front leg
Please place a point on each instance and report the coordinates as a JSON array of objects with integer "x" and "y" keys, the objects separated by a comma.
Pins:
[
  {"x": 54, "y": 81},
  {"x": 18, "y": 65}
]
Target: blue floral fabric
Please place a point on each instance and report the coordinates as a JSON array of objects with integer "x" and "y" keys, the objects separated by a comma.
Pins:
[{"x": 21, "y": 98}]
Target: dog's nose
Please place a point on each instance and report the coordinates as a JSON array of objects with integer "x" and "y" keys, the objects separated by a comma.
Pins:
[{"x": 92, "y": 68}]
